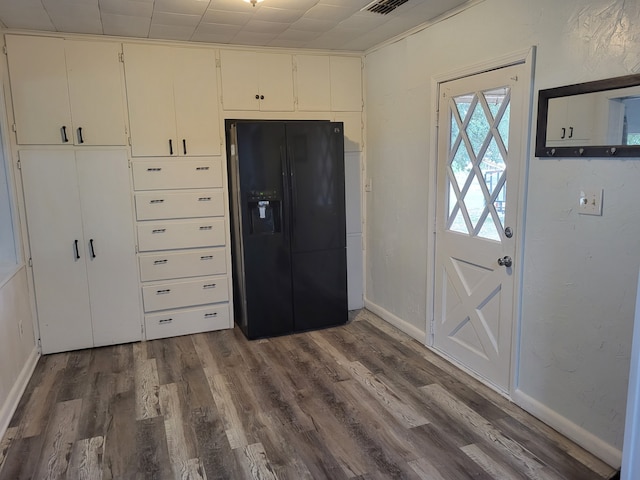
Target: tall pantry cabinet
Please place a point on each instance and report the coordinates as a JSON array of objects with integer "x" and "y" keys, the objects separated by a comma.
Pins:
[
  {"x": 68, "y": 104},
  {"x": 82, "y": 247}
]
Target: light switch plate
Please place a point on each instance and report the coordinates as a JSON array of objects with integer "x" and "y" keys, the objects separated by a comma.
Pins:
[{"x": 590, "y": 202}]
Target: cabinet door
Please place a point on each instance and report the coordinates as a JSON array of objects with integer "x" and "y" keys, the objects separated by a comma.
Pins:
[
  {"x": 39, "y": 90},
  {"x": 109, "y": 246},
  {"x": 56, "y": 241},
  {"x": 95, "y": 92},
  {"x": 239, "y": 80},
  {"x": 196, "y": 101},
  {"x": 346, "y": 84},
  {"x": 149, "y": 78},
  {"x": 276, "y": 82},
  {"x": 313, "y": 83}
]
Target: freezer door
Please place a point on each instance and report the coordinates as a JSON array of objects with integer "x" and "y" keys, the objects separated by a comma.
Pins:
[
  {"x": 315, "y": 152},
  {"x": 266, "y": 256}
]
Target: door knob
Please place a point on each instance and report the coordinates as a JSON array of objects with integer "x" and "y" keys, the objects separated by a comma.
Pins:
[{"x": 505, "y": 261}]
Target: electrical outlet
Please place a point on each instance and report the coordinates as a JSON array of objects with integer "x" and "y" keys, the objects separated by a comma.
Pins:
[{"x": 590, "y": 202}]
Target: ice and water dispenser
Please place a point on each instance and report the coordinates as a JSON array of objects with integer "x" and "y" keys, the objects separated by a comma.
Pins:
[{"x": 265, "y": 212}]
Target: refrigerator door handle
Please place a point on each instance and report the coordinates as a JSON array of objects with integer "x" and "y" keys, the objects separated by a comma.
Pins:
[
  {"x": 294, "y": 190},
  {"x": 286, "y": 208}
]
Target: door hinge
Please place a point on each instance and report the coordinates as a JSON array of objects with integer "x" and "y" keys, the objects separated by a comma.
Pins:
[
  {"x": 30, "y": 263},
  {"x": 4, "y": 49},
  {"x": 218, "y": 63},
  {"x": 40, "y": 345},
  {"x": 19, "y": 165},
  {"x": 129, "y": 140},
  {"x": 121, "y": 56},
  {"x": 14, "y": 127}
]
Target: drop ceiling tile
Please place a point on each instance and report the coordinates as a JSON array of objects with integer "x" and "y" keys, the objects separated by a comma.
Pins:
[
  {"x": 233, "y": 6},
  {"x": 217, "y": 29},
  {"x": 329, "y": 13},
  {"x": 126, "y": 7},
  {"x": 226, "y": 16},
  {"x": 299, "y": 35},
  {"x": 76, "y": 17},
  {"x": 330, "y": 40},
  {"x": 212, "y": 38},
  {"x": 293, "y": 4},
  {"x": 280, "y": 15},
  {"x": 32, "y": 18},
  {"x": 365, "y": 20},
  {"x": 187, "y": 7},
  {"x": 253, "y": 38},
  {"x": 176, "y": 19},
  {"x": 21, "y": 3},
  {"x": 170, "y": 32},
  {"x": 284, "y": 43},
  {"x": 311, "y": 24},
  {"x": 265, "y": 27},
  {"x": 125, "y": 25}
]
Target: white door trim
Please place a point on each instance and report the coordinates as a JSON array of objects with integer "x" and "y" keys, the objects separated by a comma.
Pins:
[{"x": 526, "y": 57}]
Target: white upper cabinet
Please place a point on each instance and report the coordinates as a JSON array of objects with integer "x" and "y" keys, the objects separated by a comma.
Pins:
[
  {"x": 256, "y": 81},
  {"x": 313, "y": 80},
  {"x": 66, "y": 91},
  {"x": 346, "y": 84},
  {"x": 172, "y": 94}
]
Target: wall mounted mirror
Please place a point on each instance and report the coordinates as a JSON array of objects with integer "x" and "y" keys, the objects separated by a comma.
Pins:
[{"x": 593, "y": 119}]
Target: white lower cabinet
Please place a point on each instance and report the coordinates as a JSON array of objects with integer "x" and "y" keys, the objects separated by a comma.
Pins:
[
  {"x": 82, "y": 242},
  {"x": 182, "y": 226}
]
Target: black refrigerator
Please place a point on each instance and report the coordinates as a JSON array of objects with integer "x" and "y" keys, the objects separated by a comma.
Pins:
[{"x": 287, "y": 202}]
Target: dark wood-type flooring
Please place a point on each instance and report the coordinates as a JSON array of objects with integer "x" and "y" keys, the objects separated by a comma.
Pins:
[{"x": 361, "y": 401}]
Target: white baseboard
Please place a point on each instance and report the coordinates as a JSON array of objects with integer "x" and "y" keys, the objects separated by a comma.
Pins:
[
  {"x": 601, "y": 449},
  {"x": 11, "y": 403},
  {"x": 397, "y": 322}
]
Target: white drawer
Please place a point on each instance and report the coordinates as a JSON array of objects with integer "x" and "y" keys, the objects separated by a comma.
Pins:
[
  {"x": 183, "y": 204},
  {"x": 187, "y": 321},
  {"x": 167, "y": 174},
  {"x": 168, "y": 295},
  {"x": 204, "y": 232},
  {"x": 191, "y": 263}
]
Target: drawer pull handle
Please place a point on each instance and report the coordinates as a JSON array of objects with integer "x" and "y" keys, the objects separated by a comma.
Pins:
[
  {"x": 209, "y": 285},
  {"x": 160, "y": 200},
  {"x": 202, "y": 168},
  {"x": 65, "y": 139},
  {"x": 206, "y": 227},
  {"x": 163, "y": 321},
  {"x": 209, "y": 315},
  {"x": 204, "y": 199},
  {"x": 163, "y": 292},
  {"x": 160, "y": 262},
  {"x": 158, "y": 230},
  {"x": 154, "y": 169},
  {"x": 206, "y": 257}
]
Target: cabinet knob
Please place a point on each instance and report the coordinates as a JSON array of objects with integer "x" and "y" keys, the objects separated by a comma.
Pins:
[
  {"x": 261, "y": 97},
  {"x": 257, "y": 97}
]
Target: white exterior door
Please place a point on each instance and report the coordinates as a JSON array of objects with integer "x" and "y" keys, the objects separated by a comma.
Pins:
[{"x": 479, "y": 161}]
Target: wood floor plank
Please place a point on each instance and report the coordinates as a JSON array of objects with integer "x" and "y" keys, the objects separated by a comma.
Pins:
[
  {"x": 152, "y": 451},
  {"x": 9, "y": 436},
  {"x": 86, "y": 459},
  {"x": 120, "y": 449},
  {"x": 358, "y": 401},
  {"x": 146, "y": 387},
  {"x": 529, "y": 464},
  {"x": 226, "y": 406},
  {"x": 255, "y": 463},
  {"x": 490, "y": 464},
  {"x": 58, "y": 440},
  {"x": 387, "y": 397}
]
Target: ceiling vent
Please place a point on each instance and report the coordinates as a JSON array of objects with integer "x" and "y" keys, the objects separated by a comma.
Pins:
[{"x": 384, "y": 7}]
